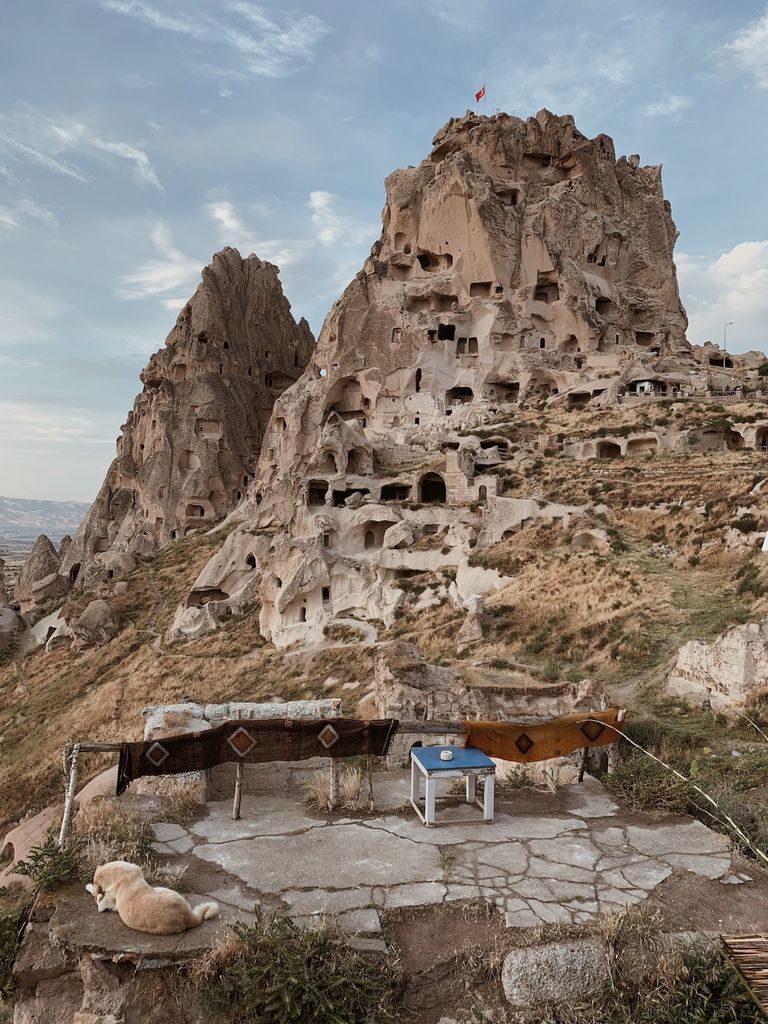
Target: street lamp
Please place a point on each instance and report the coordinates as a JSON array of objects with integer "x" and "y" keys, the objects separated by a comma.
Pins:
[{"x": 725, "y": 351}]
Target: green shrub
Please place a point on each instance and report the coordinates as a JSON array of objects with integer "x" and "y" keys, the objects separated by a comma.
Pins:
[
  {"x": 9, "y": 942},
  {"x": 49, "y": 866},
  {"x": 274, "y": 972},
  {"x": 746, "y": 523},
  {"x": 643, "y": 784}
]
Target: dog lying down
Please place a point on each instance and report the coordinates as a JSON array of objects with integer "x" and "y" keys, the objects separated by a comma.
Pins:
[{"x": 122, "y": 887}]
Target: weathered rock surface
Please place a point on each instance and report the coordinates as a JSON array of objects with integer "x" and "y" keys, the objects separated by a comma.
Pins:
[
  {"x": 189, "y": 447},
  {"x": 725, "y": 673},
  {"x": 520, "y": 263},
  {"x": 559, "y": 972},
  {"x": 39, "y": 580},
  {"x": 96, "y": 626}
]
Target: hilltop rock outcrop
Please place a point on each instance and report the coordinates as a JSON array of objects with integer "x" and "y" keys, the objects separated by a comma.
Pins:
[
  {"x": 189, "y": 448},
  {"x": 727, "y": 673},
  {"x": 520, "y": 263},
  {"x": 39, "y": 580}
]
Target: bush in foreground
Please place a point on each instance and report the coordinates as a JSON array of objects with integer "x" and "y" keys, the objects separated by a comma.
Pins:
[{"x": 274, "y": 972}]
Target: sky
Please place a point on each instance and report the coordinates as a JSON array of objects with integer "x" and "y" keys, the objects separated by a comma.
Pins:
[{"x": 138, "y": 137}]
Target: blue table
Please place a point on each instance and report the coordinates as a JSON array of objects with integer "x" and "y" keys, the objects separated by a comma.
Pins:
[{"x": 467, "y": 763}]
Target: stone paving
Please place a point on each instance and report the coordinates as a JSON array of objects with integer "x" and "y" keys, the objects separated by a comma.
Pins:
[{"x": 576, "y": 858}]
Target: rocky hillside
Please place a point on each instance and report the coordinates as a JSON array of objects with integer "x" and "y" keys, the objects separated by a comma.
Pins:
[
  {"x": 502, "y": 461},
  {"x": 189, "y": 448}
]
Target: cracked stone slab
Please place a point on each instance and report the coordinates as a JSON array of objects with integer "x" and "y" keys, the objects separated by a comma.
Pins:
[
  {"x": 708, "y": 866},
  {"x": 686, "y": 837},
  {"x": 413, "y": 894},
  {"x": 578, "y": 851},
  {"x": 324, "y": 901},
  {"x": 590, "y": 799},
  {"x": 166, "y": 832},
  {"x": 175, "y": 846},
  {"x": 505, "y": 827},
  {"x": 346, "y": 854},
  {"x": 260, "y": 816}
]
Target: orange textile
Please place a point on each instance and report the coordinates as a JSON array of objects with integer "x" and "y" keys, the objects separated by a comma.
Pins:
[{"x": 528, "y": 743}]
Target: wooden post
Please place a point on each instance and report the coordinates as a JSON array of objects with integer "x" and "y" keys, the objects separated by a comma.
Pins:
[
  {"x": 613, "y": 749},
  {"x": 239, "y": 772},
  {"x": 583, "y": 765},
  {"x": 333, "y": 789},
  {"x": 370, "y": 784},
  {"x": 69, "y": 798}
]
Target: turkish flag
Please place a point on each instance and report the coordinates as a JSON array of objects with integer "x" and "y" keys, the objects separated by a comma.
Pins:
[{"x": 479, "y": 95}]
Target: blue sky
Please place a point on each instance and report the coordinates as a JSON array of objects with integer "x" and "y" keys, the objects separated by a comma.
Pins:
[{"x": 139, "y": 136}]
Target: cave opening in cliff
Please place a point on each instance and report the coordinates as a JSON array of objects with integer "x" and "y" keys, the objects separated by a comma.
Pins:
[
  {"x": 603, "y": 306},
  {"x": 316, "y": 491},
  {"x": 340, "y": 497},
  {"x": 458, "y": 396},
  {"x": 74, "y": 572},
  {"x": 395, "y": 492},
  {"x": 446, "y": 332},
  {"x": 325, "y": 594},
  {"x": 547, "y": 289},
  {"x": 761, "y": 439},
  {"x": 480, "y": 289},
  {"x": 418, "y": 381},
  {"x": 608, "y": 450},
  {"x": 250, "y": 562},
  {"x": 432, "y": 489}
]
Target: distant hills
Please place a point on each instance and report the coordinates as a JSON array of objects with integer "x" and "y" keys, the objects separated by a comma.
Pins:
[{"x": 27, "y": 518}]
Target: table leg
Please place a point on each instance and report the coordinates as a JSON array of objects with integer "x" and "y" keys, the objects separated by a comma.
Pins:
[
  {"x": 429, "y": 808},
  {"x": 471, "y": 789},
  {"x": 488, "y": 803},
  {"x": 414, "y": 783}
]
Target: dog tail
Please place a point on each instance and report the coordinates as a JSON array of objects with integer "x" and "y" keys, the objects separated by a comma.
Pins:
[{"x": 204, "y": 912}]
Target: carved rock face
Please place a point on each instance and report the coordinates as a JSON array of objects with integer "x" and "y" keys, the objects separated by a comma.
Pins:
[
  {"x": 520, "y": 263},
  {"x": 189, "y": 448}
]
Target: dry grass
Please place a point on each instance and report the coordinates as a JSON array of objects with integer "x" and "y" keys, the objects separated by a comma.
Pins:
[{"x": 353, "y": 790}]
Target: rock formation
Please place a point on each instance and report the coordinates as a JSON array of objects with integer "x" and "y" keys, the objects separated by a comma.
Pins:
[
  {"x": 9, "y": 620},
  {"x": 520, "y": 263},
  {"x": 189, "y": 447},
  {"x": 39, "y": 580},
  {"x": 729, "y": 672}
]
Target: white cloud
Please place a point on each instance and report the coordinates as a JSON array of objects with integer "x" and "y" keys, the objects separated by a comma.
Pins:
[
  {"x": 173, "y": 270},
  {"x": 272, "y": 46},
  {"x": 667, "y": 106},
  {"x": 749, "y": 50},
  {"x": 333, "y": 226},
  {"x": 28, "y": 135},
  {"x": 41, "y": 423},
  {"x": 11, "y": 216},
  {"x": 733, "y": 286},
  {"x": 232, "y": 230}
]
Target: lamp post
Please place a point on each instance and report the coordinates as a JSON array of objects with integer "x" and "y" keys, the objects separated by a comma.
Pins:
[{"x": 725, "y": 351}]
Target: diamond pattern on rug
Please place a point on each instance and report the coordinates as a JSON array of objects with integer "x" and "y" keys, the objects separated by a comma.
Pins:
[
  {"x": 241, "y": 742},
  {"x": 328, "y": 736},
  {"x": 157, "y": 754}
]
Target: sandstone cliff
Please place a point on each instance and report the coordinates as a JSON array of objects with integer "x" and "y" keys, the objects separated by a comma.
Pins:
[
  {"x": 520, "y": 263},
  {"x": 189, "y": 448}
]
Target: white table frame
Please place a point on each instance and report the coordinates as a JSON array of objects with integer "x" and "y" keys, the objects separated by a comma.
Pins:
[{"x": 470, "y": 774}]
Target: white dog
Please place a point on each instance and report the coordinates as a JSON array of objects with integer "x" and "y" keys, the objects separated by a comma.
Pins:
[{"x": 122, "y": 887}]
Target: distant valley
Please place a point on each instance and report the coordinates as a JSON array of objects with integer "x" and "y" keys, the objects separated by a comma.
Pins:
[{"x": 22, "y": 520}]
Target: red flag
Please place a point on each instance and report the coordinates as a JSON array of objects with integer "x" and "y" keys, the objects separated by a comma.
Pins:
[{"x": 479, "y": 95}]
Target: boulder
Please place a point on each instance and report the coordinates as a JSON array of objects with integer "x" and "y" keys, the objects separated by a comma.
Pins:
[
  {"x": 558, "y": 972},
  {"x": 96, "y": 626},
  {"x": 725, "y": 673},
  {"x": 38, "y": 579}
]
